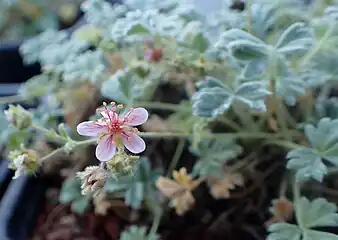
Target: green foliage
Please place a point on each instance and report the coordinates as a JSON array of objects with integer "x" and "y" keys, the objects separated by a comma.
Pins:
[
  {"x": 316, "y": 213},
  {"x": 71, "y": 194},
  {"x": 137, "y": 233},
  {"x": 214, "y": 98},
  {"x": 308, "y": 161},
  {"x": 137, "y": 187},
  {"x": 119, "y": 87},
  {"x": 213, "y": 154}
]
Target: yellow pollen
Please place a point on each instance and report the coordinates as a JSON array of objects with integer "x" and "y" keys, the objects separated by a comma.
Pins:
[
  {"x": 112, "y": 103},
  {"x": 120, "y": 106}
]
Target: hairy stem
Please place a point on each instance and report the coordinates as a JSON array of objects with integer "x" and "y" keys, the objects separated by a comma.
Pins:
[
  {"x": 296, "y": 198},
  {"x": 156, "y": 223},
  {"x": 176, "y": 157},
  {"x": 11, "y": 99},
  {"x": 160, "y": 105}
]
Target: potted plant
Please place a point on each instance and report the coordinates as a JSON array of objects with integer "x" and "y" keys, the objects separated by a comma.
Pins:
[{"x": 160, "y": 121}]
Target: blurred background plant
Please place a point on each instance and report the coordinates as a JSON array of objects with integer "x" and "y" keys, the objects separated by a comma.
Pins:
[
  {"x": 241, "y": 138},
  {"x": 20, "y": 19}
]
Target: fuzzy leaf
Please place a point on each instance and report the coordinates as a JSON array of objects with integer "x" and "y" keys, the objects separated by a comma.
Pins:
[
  {"x": 135, "y": 194},
  {"x": 70, "y": 190},
  {"x": 138, "y": 29},
  {"x": 200, "y": 43},
  {"x": 119, "y": 87},
  {"x": 317, "y": 213},
  {"x": 243, "y": 45},
  {"x": 80, "y": 205},
  {"x": 137, "y": 233},
  {"x": 297, "y": 38},
  {"x": 308, "y": 161},
  {"x": 245, "y": 50},
  {"x": 317, "y": 235},
  {"x": 213, "y": 154},
  {"x": 213, "y": 98},
  {"x": 284, "y": 231}
]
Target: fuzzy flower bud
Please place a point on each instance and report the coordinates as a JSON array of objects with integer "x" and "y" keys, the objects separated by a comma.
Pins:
[
  {"x": 23, "y": 161},
  {"x": 18, "y": 117},
  {"x": 93, "y": 179},
  {"x": 121, "y": 163}
]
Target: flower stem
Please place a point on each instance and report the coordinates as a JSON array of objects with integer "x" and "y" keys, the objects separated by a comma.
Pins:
[
  {"x": 11, "y": 99},
  {"x": 156, "y": 223},
  {"x": 296, "y": 198},
  {"x": 86, "y": 142},
  {"x": 320, "y": 44},
  {"x": 286, "y": 144},
  {"x": 160, "y": 105},
  {"x": 176, "y": 157},
  {"x": 48, "y": 132},
  {"x": 52, "y": 154},
  {"x": 245, "y": 135}
]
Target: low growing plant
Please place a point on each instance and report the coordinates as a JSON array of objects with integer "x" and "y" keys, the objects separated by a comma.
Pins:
[{"x": 239, "y": 88}]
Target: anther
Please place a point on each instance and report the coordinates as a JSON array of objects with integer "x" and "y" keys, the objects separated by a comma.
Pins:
[
  {"x": 120, "y": 106},
  {"x": 112, "y": 103},
  {"x": 104, "y": 104}
]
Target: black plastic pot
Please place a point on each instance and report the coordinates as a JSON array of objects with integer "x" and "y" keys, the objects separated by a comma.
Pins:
[{"x": 20, "y": 199}]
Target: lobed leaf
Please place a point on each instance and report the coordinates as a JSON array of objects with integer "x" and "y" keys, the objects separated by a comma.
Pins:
[{"x": 308, "y": 161}]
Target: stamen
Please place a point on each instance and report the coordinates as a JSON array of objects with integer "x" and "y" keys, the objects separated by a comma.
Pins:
[
  {"x": 112, "y": 103},
  {"x": 104, "y": 104},
  {"x": 120, "y": 106}
]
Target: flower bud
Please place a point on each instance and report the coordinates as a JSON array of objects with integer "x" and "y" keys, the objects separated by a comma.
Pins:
[
  {"x": 122, "y": 163},
  {"x": 93, "y": 180},
  {"x": 153, "y": 54},
  {"x": 23, "y": 161},
  {"x": 18, "y": 117}
]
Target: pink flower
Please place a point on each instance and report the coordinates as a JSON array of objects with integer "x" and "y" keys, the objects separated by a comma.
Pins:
[{"x": 113, "y": 130}]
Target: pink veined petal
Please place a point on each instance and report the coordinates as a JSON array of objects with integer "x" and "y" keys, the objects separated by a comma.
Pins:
[
  {"x": 90, "y": 129},
  {"x": 106, "y": 148},
  {"x": 136, "y": 116},
  {"x": 112, "y": 115},
  {"x": 133, "y": 142}
]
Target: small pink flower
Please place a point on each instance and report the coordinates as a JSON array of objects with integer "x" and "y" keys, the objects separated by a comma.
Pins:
[{"x": 112, "y": 128}]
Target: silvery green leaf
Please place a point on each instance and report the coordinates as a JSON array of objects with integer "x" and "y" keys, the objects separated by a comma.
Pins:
[
  {"x": 317, "y": 213},
  {"x": 213, "y": 154},
  {"x": 238, "y": 34},
  {"x": 214, "y": 98},
  {"x": 200, "y": 43},
  {"x": 317, "y": 235},
  {"x": 86, "y": 66},
  {"x": 327, "y": 108},
  {"x": 137, "y": 233},
  {"x": 119, "y": 184},
  {"x": 102, "y": 13},
  {"x": 119, "y": 87},
  {"x": 36, "y": 86},
  {"x": 332, "y": 11},
  {"x": 135, "y": 194},
  {"x": 70, "y": 190},
  {"x": 56, "y": 55},
  {"x": 290, "y": 87},
  {"x": 254, "y": 69},
  {"x": 308, "y": 161},
  {"x": 32, "y": 48},
  {"x": 137, "y": 29},
  {"x": 284, "y": 231},
  {"x": 246, "y": 50},
  {"x": 298, "y": 38},
  {"x": 325, "y": 65},
  {"x": 81, "y": 204},
  {"x": 263, "y": 16}
]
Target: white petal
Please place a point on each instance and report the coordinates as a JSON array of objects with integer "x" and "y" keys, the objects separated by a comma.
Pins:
[{"x": 106, "y": 148}]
